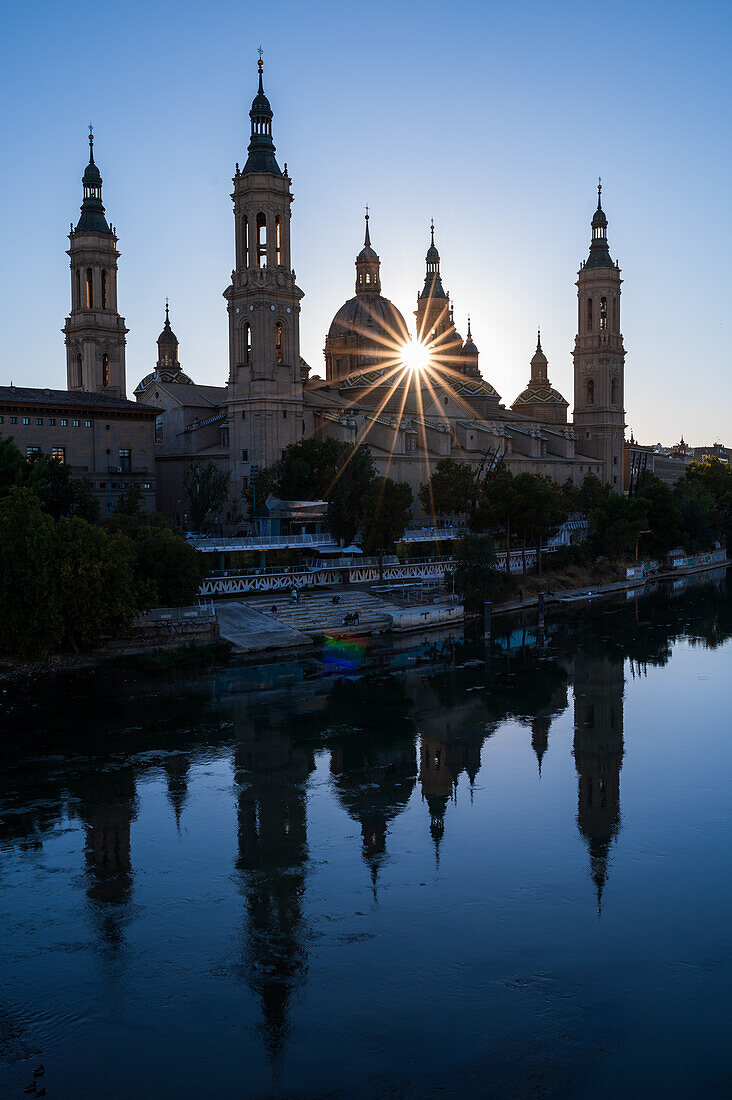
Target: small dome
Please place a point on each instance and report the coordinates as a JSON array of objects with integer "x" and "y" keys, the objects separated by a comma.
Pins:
[
  {"x": 433, "y": 256},
  {"x": 539, "y": 395},
  {"x": 92, "y": 176},
  {"x": 599, "y": 220},
  {"x": 469, "y": 348},
  {"x": 367, "y": 256}
]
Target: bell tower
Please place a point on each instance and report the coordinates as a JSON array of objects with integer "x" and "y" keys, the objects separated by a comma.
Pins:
[
  {"x": 94, "y": 331},
  {"x": 265, "y": 381},
  {"x": 599, "y": 357}
]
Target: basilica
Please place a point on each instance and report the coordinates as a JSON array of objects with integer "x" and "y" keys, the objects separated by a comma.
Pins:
[{"x": 414, "y": 397}]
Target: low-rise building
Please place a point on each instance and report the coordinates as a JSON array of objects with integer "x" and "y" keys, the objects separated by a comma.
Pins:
[{"x": 105, "y": 440}]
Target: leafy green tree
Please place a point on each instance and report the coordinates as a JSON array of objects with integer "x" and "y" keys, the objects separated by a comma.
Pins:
[
  {"x": 30, "y": 619},
  {"x": 13, "y": 465},
  {"x": 497, "y": 506},
  {"x": 477, "y": 577},
  {"x": 387, "y": 508},
  {"x": 309, "y": 468},
  {"x": 451, "y": 489},
  {"x": 95, "y": 576},
  {"x": 165, "y": 561},
  {"x": 206, "y": 486},
  {"x": 130, "y": 502},
  {"x": 60, "y": 493},
  {"x": 346, "y": 501},
  {"x": 655, "y": 504},
  {"x": 710, "y": 484},
  {"x": 539, "y": 510},
  {"x": 265, "y": 481}
]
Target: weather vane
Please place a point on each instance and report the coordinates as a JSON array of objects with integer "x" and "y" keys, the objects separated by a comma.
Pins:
[{"x": 260, "y": 51}]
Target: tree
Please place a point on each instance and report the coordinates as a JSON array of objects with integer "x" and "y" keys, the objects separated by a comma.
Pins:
[
  {"x": 95, "y": 574},
  {"x": 346, "y": 502},
  {"x": 164, "y": 560},
  {"x": 387, "y": 509},
  {"x": 30, "y": 619},
  {"x": 206, "y": 487},
  {"x": 12, "y": 465},
  {"x": 497, "y": 506},
  {"x": 539, "y": 510},
  {"x": 476, "y": 576},
  {"x": 308, "y": 469},
  {"x": 261, "y": 484},
  {"x": 451, "y": 489}
]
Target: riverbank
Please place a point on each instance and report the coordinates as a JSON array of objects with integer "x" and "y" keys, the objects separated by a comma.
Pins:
[{"x": 576, "y": 583}]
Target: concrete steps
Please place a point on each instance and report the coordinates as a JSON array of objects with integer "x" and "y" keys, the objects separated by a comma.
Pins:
[{"x": 317, "y": 614}]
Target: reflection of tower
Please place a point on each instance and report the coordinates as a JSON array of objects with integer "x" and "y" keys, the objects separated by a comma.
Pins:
[
  {"x": 441, "y": 760},
  {"x": 374, "y": 773},
  {"x": 176, "y": 775},
  {"x": 272, "y": 775},
  {"x": 108, "y": 807},
  {"x": 540, "y": 735},
  {"x": 598, "y": 753}
]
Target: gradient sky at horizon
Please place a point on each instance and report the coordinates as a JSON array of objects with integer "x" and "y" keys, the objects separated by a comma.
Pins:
[{"x": 495, "y": 120}]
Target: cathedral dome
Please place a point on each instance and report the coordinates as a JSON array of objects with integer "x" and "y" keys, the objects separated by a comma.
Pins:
[{"x": 368, "y": 317}]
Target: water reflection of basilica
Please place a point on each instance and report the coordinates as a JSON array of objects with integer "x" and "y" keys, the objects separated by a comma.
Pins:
[{"x": 399, "y": 740}]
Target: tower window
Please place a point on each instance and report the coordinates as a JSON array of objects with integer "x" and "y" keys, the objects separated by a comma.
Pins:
[
  {"x": 616, "y": 324},
  {"x": 278, "y": 241},
  {"x": 590, "y": 392},
  {"x": 279, "y": 352},
  {"x": 89, "y": 289},
  {"x": 245, "y": 239},
  {"x": 261, "y": 240},
  {"x": 105, "y": 370},
  {"x": 77, "y": 372},
  {"x": 104, "y": 290},
  {"x": 247, "y": 343},
  {"x": 589, "y": 313},
  {"x": 603, "y": 314},
  {"x": 78, "y": 290}
]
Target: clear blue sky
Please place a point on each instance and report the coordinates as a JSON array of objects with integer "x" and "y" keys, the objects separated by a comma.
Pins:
[{"x": 494, "y": 119}]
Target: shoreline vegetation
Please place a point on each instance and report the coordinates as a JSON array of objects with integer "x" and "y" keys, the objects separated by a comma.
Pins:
[
  {"x": 601, "y": 580},
  {"x": 74, "y": 586}
]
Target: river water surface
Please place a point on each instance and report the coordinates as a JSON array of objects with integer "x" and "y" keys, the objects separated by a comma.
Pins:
[{"x": 447, "y": 869}]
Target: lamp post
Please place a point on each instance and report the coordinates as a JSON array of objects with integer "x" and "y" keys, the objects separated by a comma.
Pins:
[{"x": 637, "y": 540}]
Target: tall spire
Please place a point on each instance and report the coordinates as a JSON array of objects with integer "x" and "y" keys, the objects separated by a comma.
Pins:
[
  {"x": 92, "y": 218},
  {"x": 599, "y": 248},
  {"x": 261, "y": 147},
  {"x": 433, "y": 281},
  {"x": 368, "y": 266}
]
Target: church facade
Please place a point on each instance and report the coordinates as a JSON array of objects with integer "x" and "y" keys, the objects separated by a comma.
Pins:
[{"x": 410, "y": 416}]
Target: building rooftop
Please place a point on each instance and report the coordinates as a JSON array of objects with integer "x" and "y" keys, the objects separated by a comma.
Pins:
[{"x": 70, "y": 399}]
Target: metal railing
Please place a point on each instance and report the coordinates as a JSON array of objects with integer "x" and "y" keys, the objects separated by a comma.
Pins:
[{"x": 211, "y": 543}]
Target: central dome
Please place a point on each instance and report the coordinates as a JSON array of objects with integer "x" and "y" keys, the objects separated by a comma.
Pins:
[{"x": 368, "y": 330}]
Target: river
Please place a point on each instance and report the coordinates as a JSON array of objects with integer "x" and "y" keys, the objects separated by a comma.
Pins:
[{"x": 447, "y": 868}]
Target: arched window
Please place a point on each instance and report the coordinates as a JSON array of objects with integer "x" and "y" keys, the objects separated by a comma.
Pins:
[
  {"x": 278, "y": 241},
  {"x": 279, "y": 349},
  {"x": 77, "y": 372},
  {"x": 614, "y": 391},
  {"x": 590, "y": 392},
  {"x": 104, "y": 290},
  {"x": 603, "y": 314},
  {"x": 247, "y": 343},
  {"x": 589, "y": 313},
  {"x": 261, "y": 240},
  {"x": 78, "y": 289},
  {"x": 368, "y": 276},
  {"x": 89, "y": 289},
  {"x": 245, "y": 239},
  {"x": 105, "y": 370}
]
